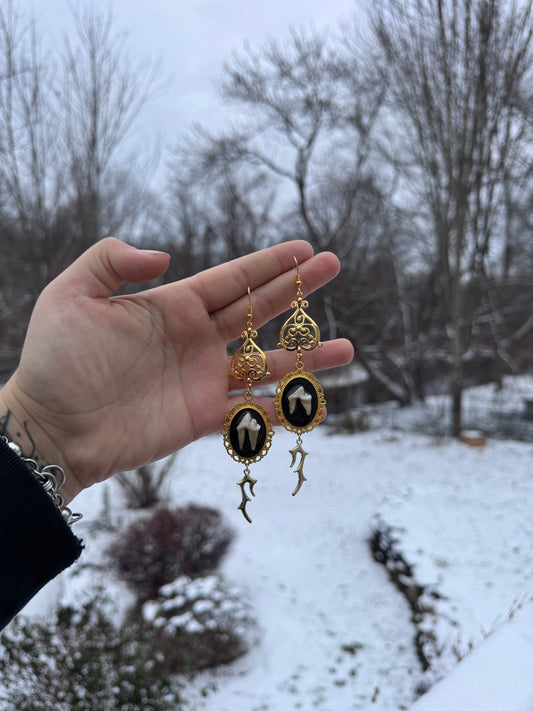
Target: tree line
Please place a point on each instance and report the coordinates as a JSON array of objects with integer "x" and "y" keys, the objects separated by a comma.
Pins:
[{"x": 401, "y": 140}]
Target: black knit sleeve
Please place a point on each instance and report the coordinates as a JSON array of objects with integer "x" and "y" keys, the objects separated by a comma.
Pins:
[{"x": 36, "y": 544}]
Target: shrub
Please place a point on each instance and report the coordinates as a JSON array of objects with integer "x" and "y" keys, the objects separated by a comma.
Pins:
[
  {"x": 81, "y": 660},
  {"x": 188, "y": 541},
  {"x": 199, "y": 623},
  {"x": 142, "y": 487}
]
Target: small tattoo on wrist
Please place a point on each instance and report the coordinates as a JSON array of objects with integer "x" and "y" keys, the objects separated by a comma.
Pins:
[{"x": 25, "y": 441}]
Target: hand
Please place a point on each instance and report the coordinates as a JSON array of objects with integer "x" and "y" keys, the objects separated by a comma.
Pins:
[{"x": 107, "y": 383}]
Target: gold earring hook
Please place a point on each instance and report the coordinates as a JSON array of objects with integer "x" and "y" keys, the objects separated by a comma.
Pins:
[
  {"x": 250, "y": 321},
  {"x": 298, "y": 282}
]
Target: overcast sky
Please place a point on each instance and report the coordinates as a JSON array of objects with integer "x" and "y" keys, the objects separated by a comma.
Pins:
[{"x": 193, "y": 38}]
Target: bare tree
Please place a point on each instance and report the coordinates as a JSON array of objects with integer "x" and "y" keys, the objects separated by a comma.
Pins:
[
  {"x": 299, "y": 163},
  {"x": 457, "y": 89},
  {"x": 311, "y": 110},
  {"x": 216, "y": 208},
  {"x": 103, "y": 92},
  {"x": 405, "y": 156},
  {"x": 301, "y": 125},
  {"x": 30, "y": 177},
  {"x": 64, "y": 178}
]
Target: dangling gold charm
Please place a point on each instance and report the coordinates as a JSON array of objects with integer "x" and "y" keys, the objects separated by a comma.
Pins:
[
  {"x": 295, "y": 451},
  {"x": 299, "y": 332},
  {"x": 249, "y": 362},
  {"x": 248, "y": 429},
  {"x": 299, "y": 398}
]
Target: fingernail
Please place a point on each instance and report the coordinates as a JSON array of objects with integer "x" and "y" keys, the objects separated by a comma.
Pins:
[{"x": 153, "y": 251}]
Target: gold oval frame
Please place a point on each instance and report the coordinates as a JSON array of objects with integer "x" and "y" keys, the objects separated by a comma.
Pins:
[
  {"x": 247, "y": 405},
  {"x": 319, "y": 390}
]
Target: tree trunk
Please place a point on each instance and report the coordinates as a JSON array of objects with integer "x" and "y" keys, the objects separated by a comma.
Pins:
[{"x": 457, "y": 401}]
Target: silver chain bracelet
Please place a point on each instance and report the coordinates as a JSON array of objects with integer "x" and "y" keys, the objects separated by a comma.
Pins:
[{"x": 51, "y": 477}]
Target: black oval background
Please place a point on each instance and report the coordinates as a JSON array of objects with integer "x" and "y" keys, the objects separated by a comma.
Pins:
[
  {"x": 247, "y": 452},
  {"x": 299, "y": 418}
]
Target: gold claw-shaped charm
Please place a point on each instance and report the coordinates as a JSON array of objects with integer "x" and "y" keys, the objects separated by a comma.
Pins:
[
  {"x": 247, "y": 479},
  {"x": 300, "y": 468}
]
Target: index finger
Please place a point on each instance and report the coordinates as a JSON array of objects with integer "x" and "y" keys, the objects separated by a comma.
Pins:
[{"x": 222, "y": 285}]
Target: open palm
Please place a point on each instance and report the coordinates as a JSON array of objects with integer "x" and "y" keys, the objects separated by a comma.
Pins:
[{"x": 107, "y": 383}]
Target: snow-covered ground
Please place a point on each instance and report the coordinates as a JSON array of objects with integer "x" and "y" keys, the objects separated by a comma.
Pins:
[
  {"x": 335, "y": 633},
  {"x": 496, "y": 677},
  {"x": 496, "y": 411}
]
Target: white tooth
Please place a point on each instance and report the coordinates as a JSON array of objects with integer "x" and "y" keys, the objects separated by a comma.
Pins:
[
  {"x": 253, "y": 432},
  {"x": 251, "y": 425},
  {"x": 303, "y": 396}
]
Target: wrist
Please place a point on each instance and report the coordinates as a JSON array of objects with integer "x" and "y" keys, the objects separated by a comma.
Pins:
[
  {"x": 24, "y": 430},
  {"x": 50, "y": 477}
]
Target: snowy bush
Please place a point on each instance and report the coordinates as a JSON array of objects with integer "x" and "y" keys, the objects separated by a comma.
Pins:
[
  {"x": 143, "y": 487},
  {"x": 81, "y": 660},
  {"x": 154, "y": 551},
  {"x": 199, "y": 623}
]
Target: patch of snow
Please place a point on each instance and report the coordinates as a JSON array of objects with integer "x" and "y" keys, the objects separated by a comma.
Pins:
[
  {"x": 179, "y": 621},
  {"x": 202, "y": 606},
  {"x": 202, "y": 587},
  {"x": 497, "y": 676},
  {"x": 150, "y": 610},
  {"x": 194, "y": 627},
  {"x": 335, "y": 633}
]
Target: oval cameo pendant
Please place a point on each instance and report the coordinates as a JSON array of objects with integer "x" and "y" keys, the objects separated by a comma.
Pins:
[
  {"x": 247, "y": 432},
  {"x": 299, "y": 401}
]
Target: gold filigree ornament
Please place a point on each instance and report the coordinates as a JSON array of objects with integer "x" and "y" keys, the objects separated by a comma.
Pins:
[
  {"x": 247, "y": 428},
  {"x": 299, "y": 398}
]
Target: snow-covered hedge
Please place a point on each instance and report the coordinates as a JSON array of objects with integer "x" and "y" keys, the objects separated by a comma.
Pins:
[
  {"x": 80, "y": 659},
  {"x": 200, "y": 623}
]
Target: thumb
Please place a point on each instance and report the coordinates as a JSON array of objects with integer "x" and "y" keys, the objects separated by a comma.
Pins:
[{"x": 109, "y": 263}]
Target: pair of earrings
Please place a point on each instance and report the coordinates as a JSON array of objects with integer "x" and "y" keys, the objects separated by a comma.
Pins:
[{"x": 299, "y": 399}]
